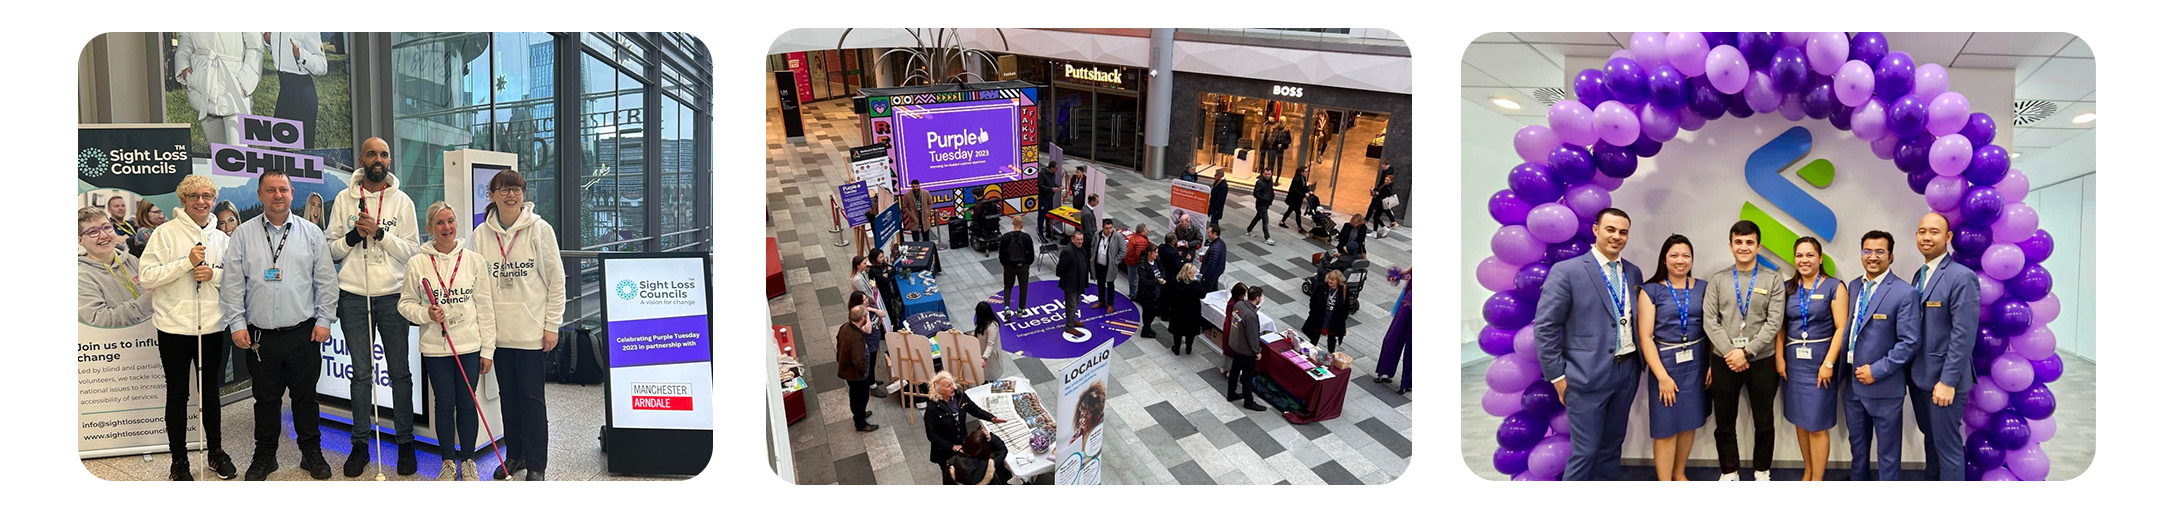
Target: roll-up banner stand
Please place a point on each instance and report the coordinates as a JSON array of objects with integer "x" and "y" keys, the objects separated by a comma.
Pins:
[
  {"x": 659, "y": 362},
  {"x": 120, "y": 389}
]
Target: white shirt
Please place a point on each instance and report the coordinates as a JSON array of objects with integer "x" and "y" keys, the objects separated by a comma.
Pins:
[
  {"x": 1932, "y": 271},
  {"x": 1619, "y": 281}
]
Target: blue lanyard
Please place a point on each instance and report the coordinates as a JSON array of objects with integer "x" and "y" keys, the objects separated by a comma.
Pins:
[
  {"x": 1741, "y": 299},
  {"x": 1615, "y": 290},
  {"x": 1680, "y": 303},
  {"x": 1805, "y": 302},
  {"x": 1862, "y": 312}
]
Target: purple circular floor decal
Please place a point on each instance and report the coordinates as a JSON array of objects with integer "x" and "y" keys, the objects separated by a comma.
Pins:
[{"x": 1037, "y": 334}]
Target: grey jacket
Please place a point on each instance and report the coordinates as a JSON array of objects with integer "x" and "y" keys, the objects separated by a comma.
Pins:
[
  {"x": 1115, "y": 251},
  {"x": 1242, "y": 330},
  {"x": 101, "y": 298},
  {"x": 1723, "y": 320}
]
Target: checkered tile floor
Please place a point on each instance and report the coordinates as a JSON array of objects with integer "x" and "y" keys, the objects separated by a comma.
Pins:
[{"x": 1167, "y": 422}]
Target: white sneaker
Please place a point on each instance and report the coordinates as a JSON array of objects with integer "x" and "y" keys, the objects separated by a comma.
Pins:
[
  {"x": 1731, "y": 477},
  {"x": 448, "y": 471},
  {"x": 1764, "y": 475},
  {"x": 1268, "y": 241}
]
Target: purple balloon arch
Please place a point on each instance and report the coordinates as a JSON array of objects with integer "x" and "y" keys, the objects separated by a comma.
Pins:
[{"x": 1671, "y": 82}]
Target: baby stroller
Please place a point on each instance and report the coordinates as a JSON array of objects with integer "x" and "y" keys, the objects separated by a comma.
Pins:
[{"x": 1321, "y": 224}]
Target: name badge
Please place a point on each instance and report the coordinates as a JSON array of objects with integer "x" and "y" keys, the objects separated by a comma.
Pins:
[
  {"x": 272, "y": 274},
  {"x": 1934, "y": 304},
  {"x": 1685, "y": 356},
  {"x": 1741, "y": 341},
  {"x": 1815, "y": 296},
  {"x": 1802, "y": 353},
  {"x": 1761, "y": 291},
  {"x": 1879, "y": 316},
  {"x": 507, "y": 282}
]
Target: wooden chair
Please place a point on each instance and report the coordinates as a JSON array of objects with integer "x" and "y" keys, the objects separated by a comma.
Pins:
[{"x": 909, "y": 357}]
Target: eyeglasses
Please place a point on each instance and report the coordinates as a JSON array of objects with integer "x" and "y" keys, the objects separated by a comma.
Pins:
[
  {"x": 508, "y": 190},
  {"x": 1868, "y": 253},
  {"x": 199, "y": 196},
  {"x": 101, "y": 229}
]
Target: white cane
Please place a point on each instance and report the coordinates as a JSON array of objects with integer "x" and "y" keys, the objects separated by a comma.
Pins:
[
  {"x": 378, "y": 465},
  {"x": 196, "y": 298}
]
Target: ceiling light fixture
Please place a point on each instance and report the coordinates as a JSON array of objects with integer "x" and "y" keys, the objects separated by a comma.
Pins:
[
  {"x": 1505, "y": 103},
  {"x": 2086, "y": 118}
]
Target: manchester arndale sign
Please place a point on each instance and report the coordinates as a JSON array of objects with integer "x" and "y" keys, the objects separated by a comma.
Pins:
[{"x": 1092, "y": 74}]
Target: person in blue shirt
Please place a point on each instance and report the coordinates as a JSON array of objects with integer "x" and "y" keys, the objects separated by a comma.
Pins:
[{"x": 276, "y": 302}]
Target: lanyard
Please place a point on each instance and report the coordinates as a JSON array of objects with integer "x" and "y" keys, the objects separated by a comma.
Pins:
[
  {"x": 1862, "y": 312},
  {"x": 283, "y": 241},
  {"x": 1681, "y": 303},
  {"x": 1804, "y": 300},
  {"x": 382, "y": 203},
  {"x": 503, "y": 245},
  {"x": 1617, "y": 291},
  {"x": 446, "y": 288},
  {"x": 125, "y": 283},
  {"x": 1741, "y": 299}
]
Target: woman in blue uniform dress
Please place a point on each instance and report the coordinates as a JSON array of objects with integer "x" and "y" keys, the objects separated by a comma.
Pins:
[
  {"x": 1809, "y": 347},
  {"x": 1669, "y": 326}
]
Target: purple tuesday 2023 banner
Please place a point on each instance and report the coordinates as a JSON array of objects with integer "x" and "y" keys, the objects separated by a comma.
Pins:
[
  {"x": 957, "y": 144},
  {"x": 1037, "y": 334},
  {"x": 659, "y": 341}
]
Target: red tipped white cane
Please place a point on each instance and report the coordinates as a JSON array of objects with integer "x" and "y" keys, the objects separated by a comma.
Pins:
[{"x": 474, "y": 402}]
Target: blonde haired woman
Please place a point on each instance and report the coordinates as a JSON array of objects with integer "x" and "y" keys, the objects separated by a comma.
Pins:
[
  {"x": 457, "y": 339},
  {"x": 945, "y": 419},
  {"x": 182, "y": 266}
]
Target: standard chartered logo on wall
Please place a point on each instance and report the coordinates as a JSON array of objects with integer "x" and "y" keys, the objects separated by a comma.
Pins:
[
  {"x": 626, "y": 289},
  {"x": 1766, "y": 171},
  {"x": 91, "y": 162}
]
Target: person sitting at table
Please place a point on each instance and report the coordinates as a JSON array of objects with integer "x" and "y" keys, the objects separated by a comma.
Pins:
[
  {"x": 988, "y": 336},
  {"x": 1326, "y": 318},
  {"x": 983, "y": 461},
  {"x": 1184, "y": 303},
  {"x": 946, "y": 422}
]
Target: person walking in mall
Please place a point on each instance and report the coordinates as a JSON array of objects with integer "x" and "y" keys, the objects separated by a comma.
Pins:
[
  {"x": 1741, "y": 336},
  {"x": 1669, "y": 326},
  {"x": 1106, "y": 255},
  {"x": 1262, "y": 194},
  {"x": 856, "y": 361},
  {"x": 1073, "y": 268},
  {"x": 1586, "y": 346},
  {"x": 1383, "y": 201},
  {"x": 457, "y": 311},
  {"x": 1214, "y": 258},
  {"x": 277, "y": 307},
  {"x": 1184, "y": 305},
  {"x": 1241, "y": 338},
  {"x": 1017, "y": 251},
  {"x": 1884, "y": 334},
  {"x": 1809, "y": 348},
  {"x": 531, "y": 288},
  {"x": 373, "y": 236},
  {"x": 181, "y": 272},
  {"x": 917, "y": 216},
  {"x": 1277, "y": 141},
  {"x": 1219, "y": 197},
  {"x": 1947, "y": 291},
  {"x": 946, "y": 419},
  {"x": 1327, "y": 319},
  {"x": 1296, "y": 208},
  {"x": 1149, "y": 278}
]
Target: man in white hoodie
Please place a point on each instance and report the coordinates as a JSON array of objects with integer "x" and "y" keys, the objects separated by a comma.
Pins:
[
  {"x": 182, "y": 266},
  {"x": 529, "y": 296},
  {"x": 374, "y": 244}
]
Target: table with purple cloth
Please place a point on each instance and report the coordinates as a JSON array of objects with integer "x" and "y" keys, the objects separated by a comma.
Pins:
[{"x": 1321, "y": 399}]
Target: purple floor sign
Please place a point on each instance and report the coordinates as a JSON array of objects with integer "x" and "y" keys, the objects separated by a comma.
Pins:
[{"x": 1038, "y": 333}]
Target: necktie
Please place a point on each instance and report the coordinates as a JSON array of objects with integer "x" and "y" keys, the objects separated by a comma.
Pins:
[{"x": 1920, "y": 278}]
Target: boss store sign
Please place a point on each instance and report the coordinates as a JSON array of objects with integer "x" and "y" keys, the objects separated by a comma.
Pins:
[
  {"x": 1092, "y": 74},
  {"x": 1287, "y": 92}
]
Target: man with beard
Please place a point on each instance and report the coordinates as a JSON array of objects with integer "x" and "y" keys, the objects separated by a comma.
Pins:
[{"x": 373, "y": 233}]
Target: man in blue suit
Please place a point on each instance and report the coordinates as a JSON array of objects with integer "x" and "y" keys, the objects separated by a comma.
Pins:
[
  {"x": 1947, "y": 292},
  {"x": 1586, "y": 346},
  {"x": 1884, "y": 325}
]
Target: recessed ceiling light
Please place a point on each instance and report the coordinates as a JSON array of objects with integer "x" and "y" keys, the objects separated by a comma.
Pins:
[
  {"x": 1505, "y": 103},
  {"x": 2086, "y": 118}
]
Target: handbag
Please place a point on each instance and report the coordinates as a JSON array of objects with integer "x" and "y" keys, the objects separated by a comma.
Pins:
[{"x": 1393, "y": 201}]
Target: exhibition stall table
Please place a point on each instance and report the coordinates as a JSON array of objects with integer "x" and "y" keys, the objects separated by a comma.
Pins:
[
  {"x": 1070, "y": 216},
  {"x": 791, "y": 374},
  {"x": 920, "y": 294},
  {"x": 1215, "y": 308},
  {"x": 1029, "y": 431},
  {"x": 1322, "y": 390},
  {"x": 919, "y": 256}
]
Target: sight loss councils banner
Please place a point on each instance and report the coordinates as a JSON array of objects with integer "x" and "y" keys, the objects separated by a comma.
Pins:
[{"x": 659, "y": 345}]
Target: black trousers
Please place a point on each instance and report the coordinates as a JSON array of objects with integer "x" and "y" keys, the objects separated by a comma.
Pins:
[
  {"x": 1726, "y": 399},
  {"x": 1294, "y": 210},
  {"x": 1016, "y": 277},
  {"x": 176, "y": 354},
  {"x": 1238, "y": 376},
  {"x": 1105, "y": 277},
  {"x": 299, "y": 102},
  {"x": 1260, "y": 220},
  {"x": 284, "y": 362},
  {"x": 859, "y": 398},
  {"x": 1378, "y": 214},
  {"x": 522, "y": 405}
]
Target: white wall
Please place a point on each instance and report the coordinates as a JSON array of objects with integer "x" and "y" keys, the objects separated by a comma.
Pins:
[
  {"x": 2068, "y": 210},
  {"x": 1488, "y": 152}
]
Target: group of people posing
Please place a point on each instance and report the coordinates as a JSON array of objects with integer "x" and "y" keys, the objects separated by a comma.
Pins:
[
  {"x": 1822, "y": 344},
  {"x": 272, "y": 290}
]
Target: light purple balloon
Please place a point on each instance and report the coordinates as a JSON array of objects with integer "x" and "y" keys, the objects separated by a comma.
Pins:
[
  {"x": 2003, "y": 260},
  {"x": 1761, "y": 93},
  {"x": 1649, "y": 48},
  {"x": 1535, "y": 143},
  {"x": 1513, "y": 244},
  {"x": 1989, "y": 290},
  {"x": 2017, "y": 221},
  {"x": 1944, "y": 193},
  {"x": 1607, "y": 182},
  {"x": 1948, "y": 112},
  {"x": 2042, "y": 430},
  {"x": 1551, "y": 222},
  {"x": 1528, "y": 361},
  {"x": 2012, "y": 372},
  {"x": 1560, "y": 423},
  {"x": 1854, "y": 83},
  {"x": 2029, "y": 463},
  {"x": 2037, "y": 344},
  {"x": 1496, "y": 275},
  {"x": 1885, "y": 146},
  {"x": 1930, "y": 81},
  {"x": 1987, "y": 396},
  {"x": 1794, "y": 39},
  {"x": 1508, "y": 375},
  {"x": 1726, "y": 68},
  {"x": 2014, "y": 187},
  {"x": 1999, "y": 474},
  {"x": 1615, "y": 123},
  {"x": 2045, "y": 310},
  {"x": 1953, "y": 217},
  {"x": 1571, "y": 121},
  {"x": 1502, "y": 404},
  {"x": 1659, "y": 124},
  {"x": 1827, "y": 51},
  {"x": 1690, "y": 121},
  {"x": 1869, "y": 120},
  {"x": 1975, "y": 418},
  {"x": 1791, "y": 107},
  {"x": 1587, "y": 199},
  {"x": 1950, "y": 155},
  {"x": 1550, "y": 457},
  {"x": 1686, "y": 50},
  {"x": 1620, "y": 54},
  {"x": 1526, "y": 341}
]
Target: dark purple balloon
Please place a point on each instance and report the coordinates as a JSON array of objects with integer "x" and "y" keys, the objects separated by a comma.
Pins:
[
  {"x": 1541, "y": 400},
  {"x": 1972, "y": 240},
  {"x": 1511, "y": 462},
  {"x": 1896, "y": 74},
  {"x": 1705, "y": 100},
  {"x": 1974, "y": 262},
  {"x": 1818, "y": 101},
  {"x": 1669, "y": 90},
  {"x": 1505, "y": 309},
  {"x": 1980, "y": 130},
  {"x": 1757, "y": 47},
  {"x": 2010, "y": 430},
  {"x": 1522, "y": 431},
  {"x": 1989, "y": 343},
  {"x": 2036, "y": 402},
  {"x": 1626, "y": 80},
  {"x": 1534, "y": 184},
  {"x": 1508, "y": 209},
  {"x": 1841, "y": 119},
  {"x": 1590, "y": 88},
  {"x": 1614, "y": 161},
  {"x": 1982, "y": 365},
  {"x": 1566, "y": 251},
  {"x": 1739, "y": 107},
  {"x": 1571, "y": 164},
  {"x": 1980, "y": 206},
  {"x": 2011, "y": 318},
  {"x": 1867, "y": 47},
  {"x": 2032, "y": 284},
  {"x": 1645, "y": 147},
  {"x": 2049, "y": 369},
  {"x": 1584, "y": 233},
  {"x": 1913, "y": 154},
  {"x": 1530, "y": 280},
  {"x": 2037, "y": 248},
  {"x": 1989, "y": 166},
  {"x": 1919, "y": 180},
  {"x": 1497, "y": 341},
  {"x": 1714, "y": 39},
  {"x": 1790, "y": 69},
  {"x": 1906, "y": 117},
  {"x": 1984, "y": 450}
]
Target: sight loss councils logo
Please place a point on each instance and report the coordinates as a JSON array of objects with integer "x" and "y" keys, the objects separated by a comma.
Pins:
[
  {"x": 626, "y": 290},
  {"x": 91, "y": 163}
]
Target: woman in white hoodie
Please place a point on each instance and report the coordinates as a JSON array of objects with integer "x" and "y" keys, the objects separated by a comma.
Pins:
[
  {"x": 529, "y": 295},
  {"x": 457, "y": 336},
  {"x": 182, "y": 266}
]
